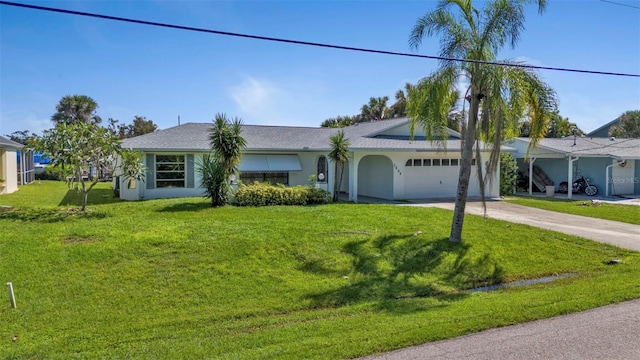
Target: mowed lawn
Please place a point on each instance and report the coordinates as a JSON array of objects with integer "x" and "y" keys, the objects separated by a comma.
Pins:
[
  {"x": 178, "y": 279},
  {"x": 616, "y": 212}
]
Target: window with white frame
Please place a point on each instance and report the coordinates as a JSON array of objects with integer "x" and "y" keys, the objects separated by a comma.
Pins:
[
  {"x": 321, "y": 173},
  {"x": 170, "y": 171}
]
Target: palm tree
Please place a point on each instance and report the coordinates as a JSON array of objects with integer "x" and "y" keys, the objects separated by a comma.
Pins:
[
  {"x": 376, "y": 109},
  {"x": 339, "y": 154},
  {"x": 76, "y": 108},
  {"x": 217, "y": 168},
  {"x": 499, "y": 96}
]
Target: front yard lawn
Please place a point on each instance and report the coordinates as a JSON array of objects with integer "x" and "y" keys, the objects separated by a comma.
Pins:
[
  {"x": 177, "y": 279},
  {"x": 623, "y": 213}
]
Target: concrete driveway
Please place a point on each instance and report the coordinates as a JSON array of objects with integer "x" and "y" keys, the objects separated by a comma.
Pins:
[
  {"x": 609, "y": 332},
  {"x": 606, "y": 231}
]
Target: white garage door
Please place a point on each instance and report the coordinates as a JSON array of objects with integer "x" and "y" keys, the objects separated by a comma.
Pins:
[{"x": 431, "y": 178}]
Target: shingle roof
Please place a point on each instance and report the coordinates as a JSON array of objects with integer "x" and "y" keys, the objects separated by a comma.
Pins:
[
  {"x": 7, "y": 143},
  {"x": 195, "y": 137},
  {"x": 585, "y": 146}
]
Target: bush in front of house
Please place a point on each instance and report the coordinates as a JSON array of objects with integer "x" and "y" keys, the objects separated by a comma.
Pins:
[
  {"x": 508, "y": 174},
  {"x": 265, "y": 194}
]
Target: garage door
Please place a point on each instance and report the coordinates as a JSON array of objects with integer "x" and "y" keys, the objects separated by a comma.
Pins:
[{"x": 431, "y": 178}]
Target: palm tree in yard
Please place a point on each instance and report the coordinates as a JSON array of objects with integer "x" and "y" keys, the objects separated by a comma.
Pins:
[
  {"x": 498, "y": 96},
  {"x": 339, "y": 154},
  {"x": 217, "y": 168}
]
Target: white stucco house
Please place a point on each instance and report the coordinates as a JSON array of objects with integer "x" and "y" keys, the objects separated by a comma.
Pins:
[
  {"x": 611, "y": 164},
  {"x": 383, "y": 161},
  {"x": 8, "y": 165}
]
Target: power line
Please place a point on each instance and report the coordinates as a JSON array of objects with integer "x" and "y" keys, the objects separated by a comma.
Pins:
[
  {"x": 617, "y": 3},
  {"x": 298, "y": 42}
]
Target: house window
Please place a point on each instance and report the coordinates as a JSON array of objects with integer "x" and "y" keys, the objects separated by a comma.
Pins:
[
  {"x": 445, "y": 162},
  {"x": 436, "y": 162},
  {"x": 321, "y": 174},
  {"x": 170, "y": 171},
  {"x": 426, "y": 162},
  {"x": 417, "y": 162},
  {"x": 249, "y": 177},
  {"x": 409, "y": 162},
  {"x": 454, "y": 162}
]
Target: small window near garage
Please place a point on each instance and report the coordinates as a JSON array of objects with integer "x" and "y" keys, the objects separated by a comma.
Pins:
[
  {"x": 321, "y": 174},
  {"x": 426, "y": 162},
  {"x": 417, "y": 162},
  {"x": 454, "y": 162},
  {"x": 170, "y": 171},
  {"x": 409, "y": 162},
  {"x": 436, "y": 162},
  {"x": 445, "y": 162}
]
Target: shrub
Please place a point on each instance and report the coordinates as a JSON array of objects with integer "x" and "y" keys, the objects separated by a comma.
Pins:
[
  {"x": 265, "y": 194},
  {"x": 508, "y": 173},
  {"x": 51, "y": 173}
]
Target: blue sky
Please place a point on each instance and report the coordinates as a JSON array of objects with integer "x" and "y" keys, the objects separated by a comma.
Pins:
[{"x": 161, "y": 73}]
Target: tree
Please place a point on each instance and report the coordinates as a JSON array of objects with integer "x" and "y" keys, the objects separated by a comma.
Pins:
[
  {"x": 628, "y": 125},
  {"x": 22, "y": 137},
  {"x": 339, "y": 154},
  {"x": 140, "y": 126},
  {"x": 76, "y": 108},
  {"x": 558, "y": 127},
  {"x": 341, "y": 121},
  {"x": 376, "y": 109},
  {"x": 217, "y": 168},
  {"x": 77, "y": 148},
  {"x": 498, "y": 95}
]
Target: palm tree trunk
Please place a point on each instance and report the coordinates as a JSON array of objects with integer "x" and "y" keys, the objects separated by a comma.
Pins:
[
  {"x": 335, "y": 182},
  {"x": 465, "y": 171}
]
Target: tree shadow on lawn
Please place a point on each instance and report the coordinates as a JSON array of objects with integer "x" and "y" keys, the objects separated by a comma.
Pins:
[
  {"x": 47, "y": 215},
  {"x": 391, "y": 268},
  {"x": 73, "y": 197},
  {"x": 181, "y": 207}
]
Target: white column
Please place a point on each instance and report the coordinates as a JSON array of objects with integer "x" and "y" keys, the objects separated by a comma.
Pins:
[
  {"x": 353, "y": 177},
  {"x": 531, "y": 161},
  {"x": 570, "y": 177}
]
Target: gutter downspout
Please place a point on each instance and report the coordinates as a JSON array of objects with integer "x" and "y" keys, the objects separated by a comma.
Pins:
[
  {"x": 531, "y": 175},
  {"x": 570, "y": 182},
  {"x": 606, "y": 173}
]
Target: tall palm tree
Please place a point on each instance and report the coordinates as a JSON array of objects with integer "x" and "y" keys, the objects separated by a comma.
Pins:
[
  {"x": 76, "y": 108},
  {"x": 498, "y": 96},
  {"x": 376, "y": 109},
  {"x": 339, "y": 154}
]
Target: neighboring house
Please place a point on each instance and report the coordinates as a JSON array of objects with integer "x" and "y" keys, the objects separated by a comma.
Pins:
[
  {"x": 613, "y": 165},
  {"x": 383, "y": 162},
  {"x": 8, "y": 165},
  {"x": 603, "y": 131}
]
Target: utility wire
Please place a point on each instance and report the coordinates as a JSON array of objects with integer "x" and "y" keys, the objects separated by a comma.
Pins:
[
  {"x": 298, "y": 42},
  {"x": 617, "y": 3}
]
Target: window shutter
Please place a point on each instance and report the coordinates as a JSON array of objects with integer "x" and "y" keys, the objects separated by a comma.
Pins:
[
  {"x": 190, "y": 177},
  {"x": 151, "y": 165}
]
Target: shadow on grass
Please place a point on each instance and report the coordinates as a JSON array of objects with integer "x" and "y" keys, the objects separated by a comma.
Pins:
[
  {"x": 47, "y": 215},
  {"x": 404, "y": 267},
  {"x": 181, "y": 207},
  {"x": 96, "y": 197}
]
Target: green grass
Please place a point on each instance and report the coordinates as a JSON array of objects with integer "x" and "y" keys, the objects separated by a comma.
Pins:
[
  {"x": 623, "y": 213},
  {"x": 177, "y": 279}
]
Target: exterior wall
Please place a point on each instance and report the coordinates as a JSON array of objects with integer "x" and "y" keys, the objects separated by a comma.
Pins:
[
  {"x": 636, "y": 179},
  {"x": 8, "y": 171}
]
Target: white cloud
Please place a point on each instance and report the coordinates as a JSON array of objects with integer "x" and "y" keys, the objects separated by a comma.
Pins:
[
  {"x": 255, "y": 97},
  {"x": 21, "y": 120}
]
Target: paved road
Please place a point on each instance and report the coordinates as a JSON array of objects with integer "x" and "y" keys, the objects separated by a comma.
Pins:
[
  {"x": 611, "y": 232},
  {"x": 609, "y": 332}
]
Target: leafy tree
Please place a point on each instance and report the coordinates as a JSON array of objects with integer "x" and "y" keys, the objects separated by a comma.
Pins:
[
  {"x": 399, "y": 108},
  {"x": 22, "y": 137},
  {"x": 557, "y": 127},
  {"x": 76, "y": 148},
  {"x": 76, "y": 108},
  {"x": 140, "y": 126},
  {"x": 628, "y": 125},
  {"x": 376, "y": 109},
  {"x": 339, "y": 154},
  {"x": 217, "y": 167},
  {"x": 498, "y": 96}
]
